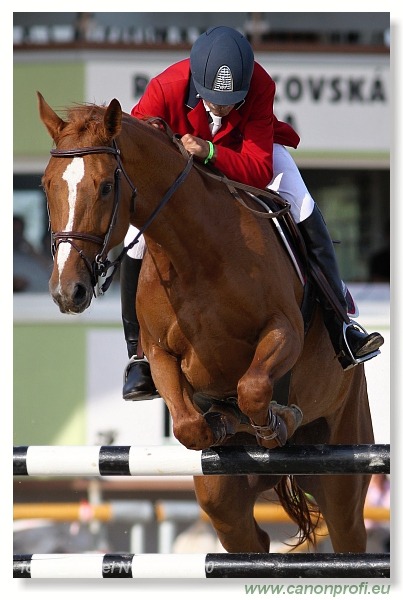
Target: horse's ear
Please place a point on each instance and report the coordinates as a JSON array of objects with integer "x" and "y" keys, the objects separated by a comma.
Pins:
[
  {"x": 53, "y": 123},
  {"x": 113, "y": 119}
]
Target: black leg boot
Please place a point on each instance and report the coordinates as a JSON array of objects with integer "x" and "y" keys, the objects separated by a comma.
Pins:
[
  {"x": 137, "y": 380},
  {"x": 351, "y": 342}
]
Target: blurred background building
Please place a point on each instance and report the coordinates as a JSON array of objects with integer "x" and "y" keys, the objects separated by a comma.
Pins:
[
  {"x": 333, "y": 84},
  {"x": 332, "y": 76}
]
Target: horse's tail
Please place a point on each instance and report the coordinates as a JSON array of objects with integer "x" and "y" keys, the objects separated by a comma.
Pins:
[{"x": 304, "y": 512}]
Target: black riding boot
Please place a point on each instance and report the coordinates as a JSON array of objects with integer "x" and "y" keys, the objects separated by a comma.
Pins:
[
  {"x": 351, "y": 342},
  {"x": 137, "y": 380}
]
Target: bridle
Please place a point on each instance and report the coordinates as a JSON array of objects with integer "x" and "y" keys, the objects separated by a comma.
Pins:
[{"x": 100, "y": 266}]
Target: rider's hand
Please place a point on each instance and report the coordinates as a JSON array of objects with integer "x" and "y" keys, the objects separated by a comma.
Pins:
[{"x": 195, "y": 145}]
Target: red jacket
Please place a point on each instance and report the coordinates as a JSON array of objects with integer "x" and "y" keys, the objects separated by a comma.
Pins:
[{"x": 244, "y": 144}]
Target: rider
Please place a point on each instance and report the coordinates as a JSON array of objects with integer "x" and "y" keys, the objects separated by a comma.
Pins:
[{"x": 220, "y": 101}]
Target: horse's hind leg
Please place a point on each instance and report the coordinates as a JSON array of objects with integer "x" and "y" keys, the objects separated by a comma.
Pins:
[
  {"x": 229, "y": 501},
  {"x": 341, "y": 500}
]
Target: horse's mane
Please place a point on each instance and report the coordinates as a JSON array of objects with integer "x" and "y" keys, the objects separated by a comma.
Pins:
[{"x": 86, "y": 118}]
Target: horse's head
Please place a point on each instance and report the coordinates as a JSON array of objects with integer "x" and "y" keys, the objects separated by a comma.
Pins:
[{"x": 88, "y": 204}]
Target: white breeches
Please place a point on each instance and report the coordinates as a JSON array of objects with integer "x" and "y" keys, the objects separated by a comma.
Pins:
[{"x": 287, "y": 181}]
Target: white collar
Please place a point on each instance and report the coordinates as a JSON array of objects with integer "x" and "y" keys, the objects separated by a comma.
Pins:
[{"x": 216, "y": 123}]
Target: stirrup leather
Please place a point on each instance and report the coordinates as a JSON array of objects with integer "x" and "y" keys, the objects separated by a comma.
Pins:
[{"x": 349, "y": 355}]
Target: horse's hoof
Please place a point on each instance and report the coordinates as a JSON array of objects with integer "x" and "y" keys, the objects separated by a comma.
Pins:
[
  {"x": 282, "y": 422},
  {"x": 223, "y": 421},
  {"x": 299, "y": 415},
  {"x": 216, "y": 422},
  {"x": 292, "y": 416}
]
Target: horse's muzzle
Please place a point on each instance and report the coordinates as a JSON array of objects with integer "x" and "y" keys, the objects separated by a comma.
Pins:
[{"x": 73, "y": 298}]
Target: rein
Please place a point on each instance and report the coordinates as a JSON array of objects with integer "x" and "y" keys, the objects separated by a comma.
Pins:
[
  {"x": 101, "y": 264},
  {"x": 233, "y": 186}
]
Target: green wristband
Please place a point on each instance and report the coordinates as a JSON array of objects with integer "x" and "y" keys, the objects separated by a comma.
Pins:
[{"x": 210, "y": 152}]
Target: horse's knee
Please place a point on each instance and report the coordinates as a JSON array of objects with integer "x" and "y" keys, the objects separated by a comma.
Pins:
[
  {"x": 255, "y": 391},
  {"x": 212, "y": 502},
  {"x": 224, "y": 495}
]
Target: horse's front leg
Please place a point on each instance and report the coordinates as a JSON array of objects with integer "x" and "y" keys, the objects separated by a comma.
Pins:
[
  {"x": 278, "y": 350},
  {"x": 189, "y": 426}
]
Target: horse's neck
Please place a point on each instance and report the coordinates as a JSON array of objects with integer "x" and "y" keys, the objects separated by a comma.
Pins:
[
  {"x": 194, "y": 223},
  {"x": 191, "y": 234}
]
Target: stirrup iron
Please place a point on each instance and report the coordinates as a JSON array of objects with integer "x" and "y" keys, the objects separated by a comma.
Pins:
[
  {"x": 350, "y": 356},
  {"x": 132, "y": 360}
]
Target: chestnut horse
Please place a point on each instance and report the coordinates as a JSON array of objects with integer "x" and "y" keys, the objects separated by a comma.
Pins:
[{"x": 219, "y": 309}]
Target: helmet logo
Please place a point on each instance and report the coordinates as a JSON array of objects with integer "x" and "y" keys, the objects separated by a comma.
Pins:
[{"x": 223, "y": 81}]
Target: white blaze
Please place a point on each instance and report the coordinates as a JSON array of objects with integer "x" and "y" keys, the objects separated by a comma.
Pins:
[{"x": 73, "y": 174}]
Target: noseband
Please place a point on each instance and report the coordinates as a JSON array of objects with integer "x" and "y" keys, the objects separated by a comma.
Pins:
[{"x": 101, "y": 264}]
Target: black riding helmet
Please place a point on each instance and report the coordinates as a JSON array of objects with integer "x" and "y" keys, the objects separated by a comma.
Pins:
[{"x": 221, "y": 62}]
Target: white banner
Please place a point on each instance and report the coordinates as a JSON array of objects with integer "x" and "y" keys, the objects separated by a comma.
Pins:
[{"x": 335, "y": 102}]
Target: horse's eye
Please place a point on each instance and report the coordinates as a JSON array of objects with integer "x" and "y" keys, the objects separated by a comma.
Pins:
[{"x": 106, "y": 189}]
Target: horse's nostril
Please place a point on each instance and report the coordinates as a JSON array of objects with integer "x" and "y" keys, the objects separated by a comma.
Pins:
[{"x": 80, "y": 294}]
